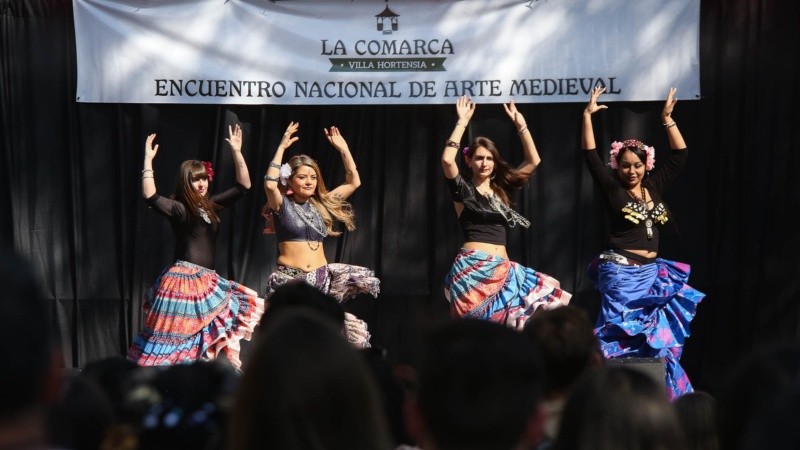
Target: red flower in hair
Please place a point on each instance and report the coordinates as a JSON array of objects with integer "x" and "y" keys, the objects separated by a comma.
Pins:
[{"x": 209, "y": 170}]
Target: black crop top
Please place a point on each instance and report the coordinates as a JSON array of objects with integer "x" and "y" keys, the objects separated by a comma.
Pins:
[
  {"x": 628, "y": 216},
  {"x": 479, "y": 221},
  {"x": 195, "y": 239},
  {"x": 298, "y": 222}
]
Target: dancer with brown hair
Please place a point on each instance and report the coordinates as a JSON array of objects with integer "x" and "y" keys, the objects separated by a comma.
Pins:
[
  {"x": 483, "y": 283},
  {"x": 192, "y": 313}
]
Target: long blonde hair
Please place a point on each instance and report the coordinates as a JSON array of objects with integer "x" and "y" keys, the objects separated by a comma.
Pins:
[
  {"x": 193, "y": 170},
  {"x": 330, "y": 207}
]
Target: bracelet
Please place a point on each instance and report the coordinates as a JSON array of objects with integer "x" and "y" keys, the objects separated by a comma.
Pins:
[
  {"x": 458, "y": 124},
  {"x": 523, "y": 130},
  {"x": 147, "y": 170},
  {"x": 143, "y": 176},
  {"x": 269, "y": 178},
  {"x": 451, "y": 143},
  {"x": 670, "y": 125},
  {"x": 275, "y": 165}
]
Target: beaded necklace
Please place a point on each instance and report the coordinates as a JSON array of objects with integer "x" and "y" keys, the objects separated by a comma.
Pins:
[
  {"x": 512, "y": 217},
  {"x": 311, "y": 217},
  {"x": 204, "y": 215}
]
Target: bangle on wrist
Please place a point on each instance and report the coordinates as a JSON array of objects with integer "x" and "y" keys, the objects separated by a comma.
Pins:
[
  {"x": 269, "y": 178},
  {"x": 147, "y": 170},
  {"x": 670, "y": 125},
  {"x": 522, "y": 130},
  {"x": 459, "y": 124},
  {"x": 146, "y": 176},
  {"x": 275, "y": 165},
  {"x": 451, "y": 143}
]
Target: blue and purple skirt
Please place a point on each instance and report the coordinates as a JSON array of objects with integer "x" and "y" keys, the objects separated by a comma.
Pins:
[
  {"x": 488, "y": 287},
  {"x": 645, "y": 313},
  {"x": 194, "y": 314}
]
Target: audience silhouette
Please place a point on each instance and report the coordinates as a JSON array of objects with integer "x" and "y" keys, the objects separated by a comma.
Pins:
[
  {"x": 32, "y": 367},
  {"x": 565, "y": 339},
  {"x": 618, "y": 408},
  {"x": 479, "y": 387},
  {"x": 306, "y": 387}
]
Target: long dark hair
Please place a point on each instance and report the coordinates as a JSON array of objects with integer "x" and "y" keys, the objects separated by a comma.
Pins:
[
  {"x": 638, "y": 148},
  {"x": 505, "y": 178},
  {"x": 193, "y": 170}
]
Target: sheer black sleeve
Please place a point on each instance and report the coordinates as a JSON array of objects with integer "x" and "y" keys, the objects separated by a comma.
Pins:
[
  {"x": 166, "y": 206},
  {"x": 229, "y": 196}
]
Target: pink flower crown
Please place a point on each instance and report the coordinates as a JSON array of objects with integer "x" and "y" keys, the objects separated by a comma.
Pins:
[
  {"x": 209, "y": 170},
  {"x": 616, "y": 146}
]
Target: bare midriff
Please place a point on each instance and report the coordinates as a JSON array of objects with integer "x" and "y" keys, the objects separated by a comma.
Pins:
[
  {"x": 643, "y": 253},
  {"x": 492, "y": 249},
  {"x": 303, "y": 255}
]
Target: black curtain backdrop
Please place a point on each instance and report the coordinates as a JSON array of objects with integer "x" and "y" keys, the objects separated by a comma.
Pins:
[{"x": 71, "y": 191}]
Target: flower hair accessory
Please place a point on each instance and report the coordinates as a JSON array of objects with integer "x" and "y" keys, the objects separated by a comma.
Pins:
[
  {"x": 286, "y": 172},
  {"x": 209, "y": 170},
  {"x": 465, "y": 150},
  {"x": 616, "y": 146}
]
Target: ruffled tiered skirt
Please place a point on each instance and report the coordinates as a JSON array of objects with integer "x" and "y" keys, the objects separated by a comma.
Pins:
[
  {"x": 645, "y": 313},
  {"x": 192, "y": 314},
  {"x": 488, "y": 287}
]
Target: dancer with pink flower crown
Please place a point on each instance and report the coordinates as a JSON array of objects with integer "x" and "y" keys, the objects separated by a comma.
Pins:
[
  {"x": 191, "y": 312},
  {"x": 302, "y": 212},
  {"x": 647, "y": 304}
]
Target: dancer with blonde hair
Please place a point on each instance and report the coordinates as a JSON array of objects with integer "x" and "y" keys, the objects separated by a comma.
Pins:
[{"x": 302, "y": 212}]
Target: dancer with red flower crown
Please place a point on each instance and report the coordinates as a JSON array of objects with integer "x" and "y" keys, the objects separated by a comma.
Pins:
[{"x": 192, "y": 313}]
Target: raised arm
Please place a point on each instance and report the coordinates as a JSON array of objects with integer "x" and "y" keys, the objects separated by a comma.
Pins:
[
  {"x": 465, "y": 109},
  {"x": 676, "y": 141},
  {"x": 274, "y": 198},
  {"x": 587, "y": 138},
  {"x": 148, "y": 180},
  {"x": 352, "y": 180},
  {"x": 532, "y": 159},
  {"x": 235, "y": 141}
]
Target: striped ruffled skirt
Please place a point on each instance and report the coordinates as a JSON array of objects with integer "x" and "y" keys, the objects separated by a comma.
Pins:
[
  {"x": 488, "y": 287},
  {"x": 192, "y": 314}
]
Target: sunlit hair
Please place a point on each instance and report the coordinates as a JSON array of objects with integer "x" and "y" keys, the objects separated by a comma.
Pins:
[
  {"x": 330, "y": 207},
  {"x": 505, "y": 178},
  {"x": 190, "y": 171}
]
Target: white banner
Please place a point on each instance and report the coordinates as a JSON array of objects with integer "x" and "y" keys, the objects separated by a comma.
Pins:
[{"x": 384, "y": 52}]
